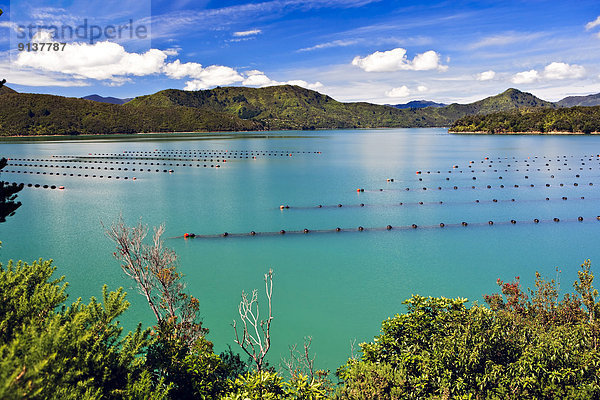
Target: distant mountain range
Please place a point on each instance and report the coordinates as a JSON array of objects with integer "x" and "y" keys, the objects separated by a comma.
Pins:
[
  {"x": 586, "y": 101},
  {"x": 418, "y": 104},
  {"x": 110, "y": 100},
  {"x": 237, "y": 108}
]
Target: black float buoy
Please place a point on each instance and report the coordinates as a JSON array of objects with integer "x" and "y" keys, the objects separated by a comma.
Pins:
[
  {"x": 536, "y": 220},
  {"x": 306, "y": 230},
  {"x": 490, "y": 222},
  {"x": 579, "y": 219},
  {"x": 442, "y": 225},
  {"x": 360, "y": 228},
  {"x": 338, "y": 229},
  {"x": 464, "y": 223},
  {"x": 282, "y": 232},
  {"x": 414, "y": 226},
  {"x": 389, "y": 227},
  {"x": 512, "y": 221}
]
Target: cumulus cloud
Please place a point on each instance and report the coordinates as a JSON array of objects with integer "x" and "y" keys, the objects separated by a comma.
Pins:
[
  {"x": 552, "y": 71},
  {"x": 401, "y": 91},
  {"x": 260, "y": 79},
  {"x": 396, "y": 60},
  {"x": 422, "y": 88},
  {"x": 110, "y": 62},
  {"x": 486, "y": 76},
  {"x": 525, "y": 77},
  {"x": 592, "y": 24},
  {"x": 102, "y": 60},
  {"x": 202, "y": 77},
  {"x": 558, "y": 70},
  {"x": 213, "y": 75}
]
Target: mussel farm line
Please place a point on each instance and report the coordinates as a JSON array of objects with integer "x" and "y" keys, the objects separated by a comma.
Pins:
[{"x": 441, "y": 225}]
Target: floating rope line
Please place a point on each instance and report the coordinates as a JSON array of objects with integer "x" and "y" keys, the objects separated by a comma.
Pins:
[
  {"x": 430, "y": 203},
  {"x": 441, "y": 225},
  {"x": 87, "y": 159},
  {"x": 69, "y": 175},
  {"x": 37, "y": 185},
  {"x": 472, "y": 187}
]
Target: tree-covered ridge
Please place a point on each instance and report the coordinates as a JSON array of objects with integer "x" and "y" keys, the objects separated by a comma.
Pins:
[
  {"x": 587, "y": 101},
  {"x": 39, "y": 114},
  {"x": 228, "y": 109},
  {"x": 292, "y": 107},
  {"x": 532, "y": 120}
]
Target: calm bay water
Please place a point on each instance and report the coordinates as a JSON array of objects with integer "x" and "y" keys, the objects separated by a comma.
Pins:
[{"x": 335, "y": 287}]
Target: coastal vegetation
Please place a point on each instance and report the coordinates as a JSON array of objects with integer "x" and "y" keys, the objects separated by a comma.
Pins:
[
  {"x": 521, "y": 343},
  {"x": 225, "y": 109},
  {"x": 533, "y": 120}
]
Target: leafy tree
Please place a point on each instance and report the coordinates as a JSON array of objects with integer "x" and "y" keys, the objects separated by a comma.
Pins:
[
  {"x": 153, "y": 268},
  {"x": 8, "y": 196},
  {"x": 521, "y": 347},
  {"x": 52, "y": 351}
]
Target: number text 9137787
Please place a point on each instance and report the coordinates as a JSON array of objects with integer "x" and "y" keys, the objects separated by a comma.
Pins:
[{"x": 41, "y": 46}]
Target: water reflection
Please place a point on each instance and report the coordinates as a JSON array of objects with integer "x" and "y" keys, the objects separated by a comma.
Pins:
[{"x": 8, "y": 196}]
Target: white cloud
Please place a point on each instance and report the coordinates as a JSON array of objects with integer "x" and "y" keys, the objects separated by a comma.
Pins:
[
  {"x": 552, "y": 71},
  {"x": 486, "y": 76},
  {"x": 247, "y": 33},
  {"x": 102, "y": 60},
  {"x": 558, "y": 70},
  {"x": 525, "y": 77},
  {"x": 214, "y": 75},
  {"x": 505, "y": 39},
  {"x": 592, "y": 24},
  {"x": 422, "y": 88},
  {"x": 401, "y": 91},
  {"x": 334, "y": 43},
  {"x": 112, "y": 63},
  {"x": 259, "y": 79},
  {"x": 396, "y": 60},
  {"x": 179, "y": 70},
  {"x": 304, "y": 84}
]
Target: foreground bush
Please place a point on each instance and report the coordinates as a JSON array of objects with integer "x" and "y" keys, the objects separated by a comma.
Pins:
[{"x": 523, "y": 346}]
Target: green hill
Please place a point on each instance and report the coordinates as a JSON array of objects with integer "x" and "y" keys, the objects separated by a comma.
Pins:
[
  {"x": 532, "y": 120},
  {"x": 40, "y": 114},
  {"x": 572, "y": 101},
  {"x": 281, "y": 107},
  {"x": 292, "y": 107},
  {"x": 229, "y": 109}
]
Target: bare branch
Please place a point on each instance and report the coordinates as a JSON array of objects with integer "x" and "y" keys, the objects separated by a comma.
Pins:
[
  {"x": 154, "y": 269},
  {"x": 255, "y": 342}
]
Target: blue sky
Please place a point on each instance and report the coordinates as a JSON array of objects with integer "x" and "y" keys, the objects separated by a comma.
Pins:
[{"x": 352, "y": 50}]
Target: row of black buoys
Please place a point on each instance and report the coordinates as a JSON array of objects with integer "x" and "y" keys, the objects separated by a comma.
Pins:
[
  {"x": 185, "y": 151},
  {"x": 361, "y": 228},
  {"x": 37, "y": 185},
  {"x": 408, "y": 189},
  {"x": 104, "y": 162},
  {"x": 65, "y": 174},
  {"x": 421, "y": 203}
]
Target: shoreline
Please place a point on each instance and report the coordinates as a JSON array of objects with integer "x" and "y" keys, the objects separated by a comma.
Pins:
[{"x": 557, "y": 133}]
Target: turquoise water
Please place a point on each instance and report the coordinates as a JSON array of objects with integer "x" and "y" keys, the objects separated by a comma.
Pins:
[{"x": 335, "y": 287}]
